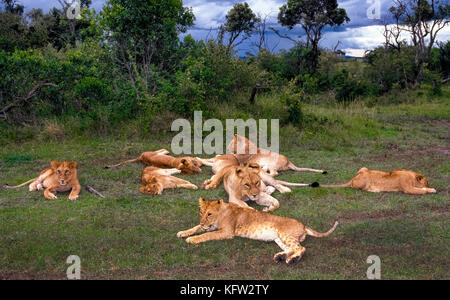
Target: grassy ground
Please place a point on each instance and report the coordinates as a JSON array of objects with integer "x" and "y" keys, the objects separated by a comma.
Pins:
[{"x": 133, "y": 236}]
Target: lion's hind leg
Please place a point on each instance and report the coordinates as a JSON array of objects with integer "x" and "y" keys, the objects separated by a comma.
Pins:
[
  {"x": 292, "y": 250},
  {"x": 38, "y": 184}
]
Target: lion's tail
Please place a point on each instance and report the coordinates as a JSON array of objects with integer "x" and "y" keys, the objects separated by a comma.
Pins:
[
  {"x": 293, "y": 167},
  {"x": 7, "y": 187},
  {"x": 123, "y": 163},
  {"x": 314, "y": 233},
  {"x": 294, "y": 184},
  {"x": 348, "y": 184}
]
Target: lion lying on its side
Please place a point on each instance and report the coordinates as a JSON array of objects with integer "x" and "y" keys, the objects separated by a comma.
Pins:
[
  {"x": 155, "y": 180},
  {"x": 405, "y": 181},
  {"x": 160, "y": 159},
  {"x": 271, "y": 162},
  {"x": 227, "y": 220},
  {"x": 61, "y": 177}
]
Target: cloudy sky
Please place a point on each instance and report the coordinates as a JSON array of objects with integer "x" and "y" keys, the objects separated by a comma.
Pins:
[{"x": 362, "y": 33}]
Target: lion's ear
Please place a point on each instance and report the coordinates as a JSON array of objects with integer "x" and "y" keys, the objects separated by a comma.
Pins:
[
  {"x": 202, "y": 204},
  {"x": 419, "y": 178},
  {"x": 183, "y": 161},
  {"x": 220, "y": 202},
  {"x": 55, "y": 165},
  {"x": 72, "y": 165},
  {"x": 239, "y": 171}
]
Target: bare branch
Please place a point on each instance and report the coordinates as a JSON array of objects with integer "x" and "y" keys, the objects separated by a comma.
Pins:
[
  {"x": 27, "y": 98},
  {"x": 91, "y": 190}
]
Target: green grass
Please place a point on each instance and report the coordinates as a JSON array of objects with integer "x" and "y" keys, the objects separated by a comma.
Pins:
[{"x": 129, "y": 235}]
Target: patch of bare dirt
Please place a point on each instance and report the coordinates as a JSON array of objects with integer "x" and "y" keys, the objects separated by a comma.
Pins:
[
  {"x": 376, "y": 215},
  {"x": 392, "y": 147},
  {"x": 441, "y": 150},
  {"x": 440, "y": 123}
]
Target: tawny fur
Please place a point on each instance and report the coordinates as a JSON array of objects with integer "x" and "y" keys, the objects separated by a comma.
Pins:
[
  {"x": 60, "y": 177},
  {"x": 155, "y": 180},
  {"x": 224, "y": 221},
  {"x": 405, "y": 181},
  {"x": 243, "y": 183},
  {"x": 160, "y": 159},
  {"x": 271, "y": 162},
  {"x": 223, "y": 161}
]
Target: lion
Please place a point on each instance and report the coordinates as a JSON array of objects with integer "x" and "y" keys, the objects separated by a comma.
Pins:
[
  {"x": 271, "y": 162},
  {"x": 160, "y": 159},
  {"x": 249, "y": 182},
  {"x": 223, "y": 161},
  {"x": 155, "y": 180},
  {"x": 60, "y": 177},
  {"x": 406, "y": 181},
  {"x": 223, "y": 221}
]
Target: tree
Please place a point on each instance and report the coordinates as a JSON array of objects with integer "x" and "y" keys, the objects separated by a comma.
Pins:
[
  {"x": 313, "y": 16},
  {"x": 12, "y": 7},
  {"x": 144, "y": 35},
  {"x": 423, "y": 20},
  {"x": 240, "y": 20}
]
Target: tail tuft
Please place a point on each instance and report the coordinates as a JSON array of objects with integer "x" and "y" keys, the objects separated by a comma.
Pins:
[
  {"x": 314, "y": 184},
  {"x": 325, "y": 172}
]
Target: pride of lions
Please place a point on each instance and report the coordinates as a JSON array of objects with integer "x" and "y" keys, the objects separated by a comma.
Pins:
[{"x": 246, "y": 176}]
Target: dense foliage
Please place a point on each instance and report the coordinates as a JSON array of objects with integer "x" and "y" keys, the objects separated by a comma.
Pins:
[{"x": 128, "y": 62}]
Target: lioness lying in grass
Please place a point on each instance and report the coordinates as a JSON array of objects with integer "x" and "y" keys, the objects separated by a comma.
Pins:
[
  {"x": 160, "y": 159},
  {"x": 405, "y": 181},
  {"x": 155, "y": 180},
  {"x": 226, "y": 220}
]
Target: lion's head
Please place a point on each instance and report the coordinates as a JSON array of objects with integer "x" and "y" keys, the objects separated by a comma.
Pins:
[
  {"x": 65, "y": 171},
  {"x": 421, "y": 181},
  {"x": 249, "y": 184},
  {"x": 189, "y": 165},
  {"x": 209, "y": 214},
  {"x": 242, "y": 145},
  {"x": 152, "y": 187}
]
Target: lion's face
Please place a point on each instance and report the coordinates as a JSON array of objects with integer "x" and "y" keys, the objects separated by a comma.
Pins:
[
  {"x": 249, "y": 182},
  {"x": 209, "y": 214},
  {"x": 189, "y": 165},
  {"x": 153, "y": 187},
  {"x": 65, "y": 171}
]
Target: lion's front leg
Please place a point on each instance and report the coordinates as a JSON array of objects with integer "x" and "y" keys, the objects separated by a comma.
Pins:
[
  {"x": 210, "y": 236},
  {"x": 268, "y": 201},
  {"x": 212, "y": 183},
  {"x": 189, "y": 232},
  {"x": 75, "y": 192}
]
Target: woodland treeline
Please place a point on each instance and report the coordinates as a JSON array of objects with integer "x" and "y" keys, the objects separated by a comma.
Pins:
[{"x": 129, "y": 61}]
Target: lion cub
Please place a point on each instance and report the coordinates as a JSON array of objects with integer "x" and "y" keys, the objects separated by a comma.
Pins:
[
  {"x": 156, "y": 180},
  {"x": 405, "y": 181},
  {"x": 61, "y": 177},
  {"x": 227, "y": 220},
  {"x": 160, "y": 159}
]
